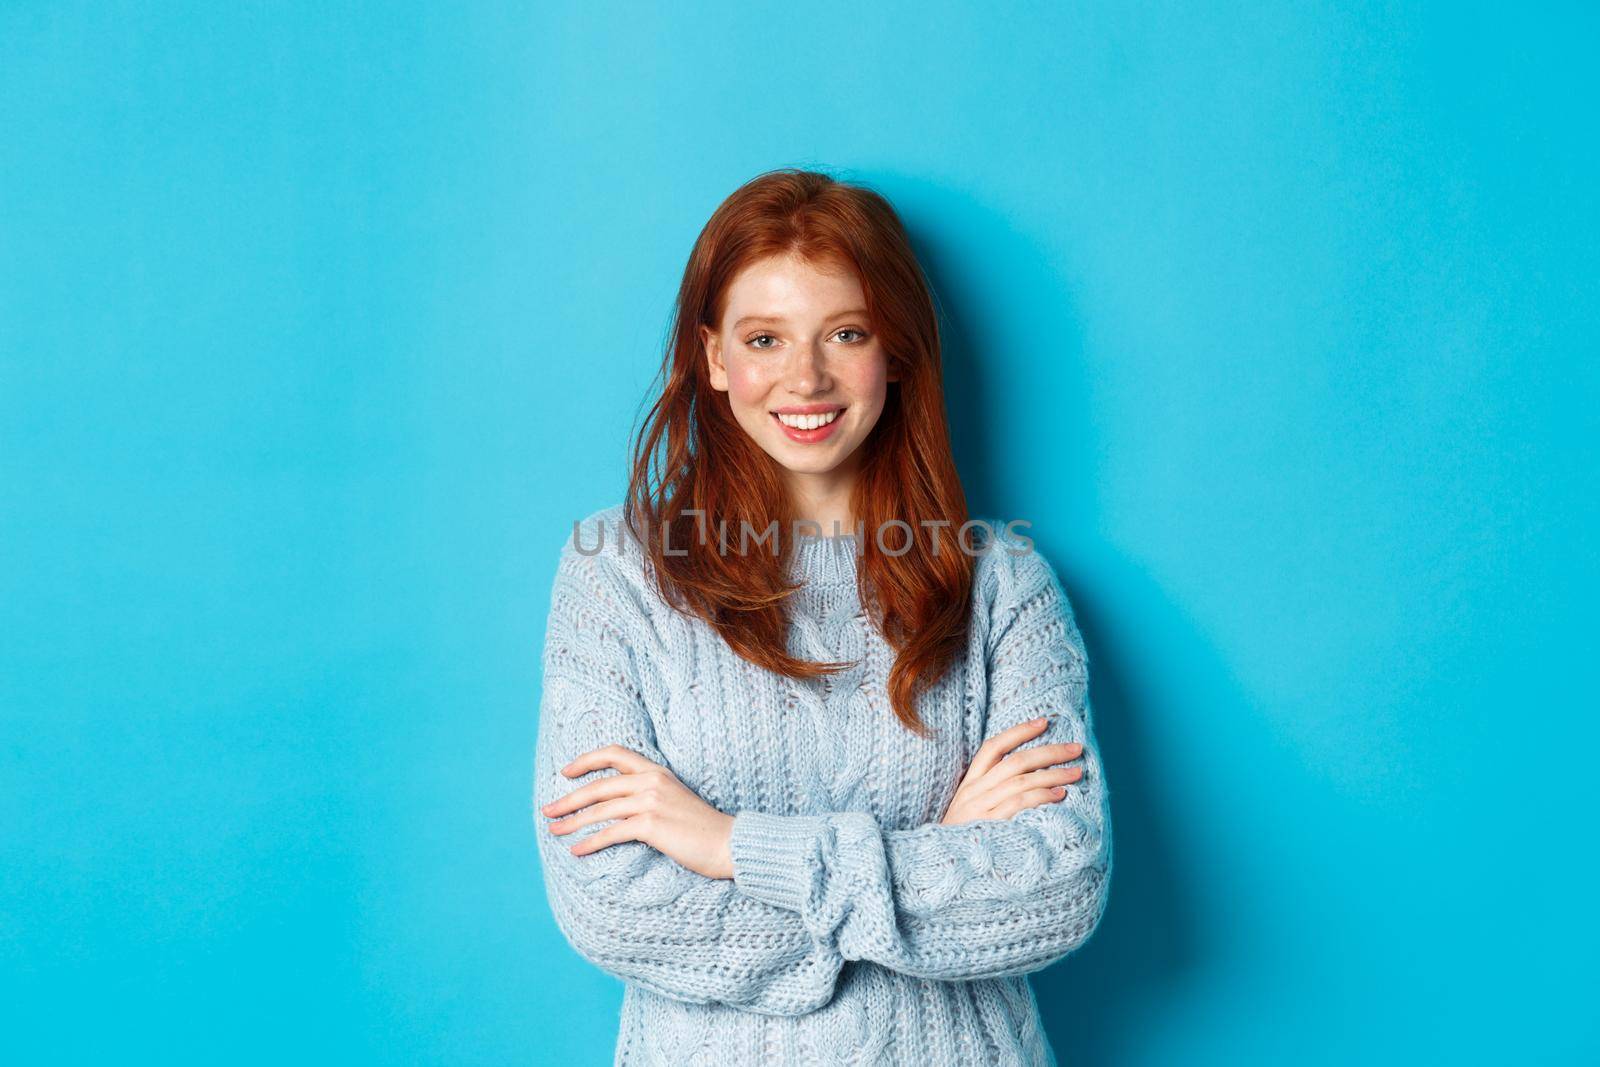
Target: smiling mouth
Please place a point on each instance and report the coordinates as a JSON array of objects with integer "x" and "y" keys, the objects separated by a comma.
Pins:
[{"x": 808, "y": 422}]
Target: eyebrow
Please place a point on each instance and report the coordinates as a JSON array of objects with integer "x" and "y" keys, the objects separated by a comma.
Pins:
[{"x": 748, "y": 319}]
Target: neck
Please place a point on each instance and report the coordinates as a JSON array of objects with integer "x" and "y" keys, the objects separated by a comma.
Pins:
[{"x": 824, "y": 498}]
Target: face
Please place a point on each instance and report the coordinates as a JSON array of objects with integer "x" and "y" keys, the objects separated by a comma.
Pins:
[{"x": 802, "y": 366}]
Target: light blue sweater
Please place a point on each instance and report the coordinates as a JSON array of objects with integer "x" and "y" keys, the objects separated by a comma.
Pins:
[{"x": 856, "y": 929}]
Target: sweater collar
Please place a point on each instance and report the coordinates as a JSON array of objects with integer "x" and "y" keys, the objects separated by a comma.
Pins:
[{"x": 825, "y": 560}]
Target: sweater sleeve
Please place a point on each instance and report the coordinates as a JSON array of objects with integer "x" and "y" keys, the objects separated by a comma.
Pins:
[
  {"x": 992, "y": 898},
  {"x": 632, "y": 911}
]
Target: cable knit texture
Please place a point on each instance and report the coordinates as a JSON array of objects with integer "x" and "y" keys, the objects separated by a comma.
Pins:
[{"x": 856, "y": 929}]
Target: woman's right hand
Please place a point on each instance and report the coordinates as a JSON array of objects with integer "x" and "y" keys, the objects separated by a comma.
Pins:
[{"x": 997, "y": 785}]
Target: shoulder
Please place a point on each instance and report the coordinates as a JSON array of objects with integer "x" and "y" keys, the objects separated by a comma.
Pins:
[
  {"x": 601, "y": 556},
  {"x": 1014, "y": 580},
  {"x": 601, "y": 535},
  {"x": 1010, "y": 566}
]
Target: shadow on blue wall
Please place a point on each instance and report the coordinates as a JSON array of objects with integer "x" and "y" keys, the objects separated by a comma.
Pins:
[{"x": 1150, "y": 941}]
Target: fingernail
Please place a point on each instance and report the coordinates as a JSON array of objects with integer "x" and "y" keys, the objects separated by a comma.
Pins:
[
  {"x": 1060, "y": 790},
  {"x": 1040, "y": 721}
]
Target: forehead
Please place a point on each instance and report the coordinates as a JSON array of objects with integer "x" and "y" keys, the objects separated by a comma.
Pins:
[{"x": 790, "y": 287}]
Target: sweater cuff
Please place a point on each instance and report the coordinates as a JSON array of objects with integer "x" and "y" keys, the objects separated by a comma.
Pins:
[{"x": 775, "y": 857}]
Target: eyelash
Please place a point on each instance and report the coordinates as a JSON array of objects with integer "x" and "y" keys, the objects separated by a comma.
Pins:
[{"x": 847, "y": 329}]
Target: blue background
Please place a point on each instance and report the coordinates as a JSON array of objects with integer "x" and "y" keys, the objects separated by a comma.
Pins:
[{"x": 320, "y": 326}]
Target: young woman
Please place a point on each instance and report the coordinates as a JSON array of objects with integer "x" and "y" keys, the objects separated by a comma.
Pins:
[{"x": 815, "y": 799}]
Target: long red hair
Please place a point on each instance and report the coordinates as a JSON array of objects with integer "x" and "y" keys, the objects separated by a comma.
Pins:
[{"x": 691, "y": 455}]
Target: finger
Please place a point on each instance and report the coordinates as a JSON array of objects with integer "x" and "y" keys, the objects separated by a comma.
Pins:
[
  {"x": 1027, "y": 760},
  {"x": 1031, "y": 799},
  {"x": 624, "y": 759},
  {"x": 612, "y": 785},
  {"x": 1012, "y": 788},
  {"x": 1022, "y": 783},
  {"x": 611, "y": 835},
  {"x": 991, "y": 750},
  {"x": 611, "y": 809}
]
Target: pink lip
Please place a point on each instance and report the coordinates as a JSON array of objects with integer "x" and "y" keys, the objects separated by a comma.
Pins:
[{"x": 809, "y": 437}]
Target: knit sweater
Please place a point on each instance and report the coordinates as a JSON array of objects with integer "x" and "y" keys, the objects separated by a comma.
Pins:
[{"x": 856, "y": 929}]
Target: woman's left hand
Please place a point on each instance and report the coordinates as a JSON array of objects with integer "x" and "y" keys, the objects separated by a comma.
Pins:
[{"x": 654, "y": 808}]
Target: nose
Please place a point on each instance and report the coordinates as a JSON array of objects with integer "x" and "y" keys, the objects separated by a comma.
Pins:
[{"x": 807, "y": 370}]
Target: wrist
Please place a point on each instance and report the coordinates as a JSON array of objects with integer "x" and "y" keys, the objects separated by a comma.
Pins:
[{"x": 724, "y": 863}]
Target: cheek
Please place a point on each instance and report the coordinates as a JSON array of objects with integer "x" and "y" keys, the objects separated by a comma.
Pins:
[
  {"x": 748, "y": 385},
  {"x": 869, "y": 382}
]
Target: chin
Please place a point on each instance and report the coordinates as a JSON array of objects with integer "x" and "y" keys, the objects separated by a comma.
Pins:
[{"x": 804, "y": 466}]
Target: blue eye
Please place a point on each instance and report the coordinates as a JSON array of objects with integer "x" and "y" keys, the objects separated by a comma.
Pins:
[{"x": 854, "y": 337}]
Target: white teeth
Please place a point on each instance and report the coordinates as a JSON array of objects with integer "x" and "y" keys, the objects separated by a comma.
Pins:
[{"x": 809, "y": 422}]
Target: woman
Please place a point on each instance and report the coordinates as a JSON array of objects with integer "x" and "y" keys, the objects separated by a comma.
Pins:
[{"x": 816, "y": 799}]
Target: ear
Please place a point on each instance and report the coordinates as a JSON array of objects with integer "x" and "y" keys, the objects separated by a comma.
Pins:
[{"x": 712, "y": 344}]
